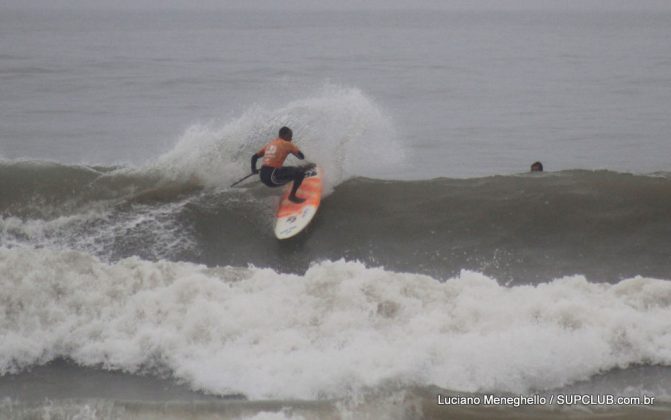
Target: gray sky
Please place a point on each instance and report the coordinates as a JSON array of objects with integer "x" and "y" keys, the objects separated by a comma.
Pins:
[{"x": 338, "y": 4}]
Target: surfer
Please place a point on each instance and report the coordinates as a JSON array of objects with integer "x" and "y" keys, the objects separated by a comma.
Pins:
[{"x": 272, "y": 173}]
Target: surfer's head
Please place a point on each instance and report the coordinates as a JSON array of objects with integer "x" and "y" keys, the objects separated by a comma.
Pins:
[
  {"x": 536, "y": 167},
  {"x": 286, "y": 133}
]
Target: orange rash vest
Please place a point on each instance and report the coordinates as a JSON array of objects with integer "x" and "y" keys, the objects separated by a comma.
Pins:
[{"x": 275, "y": 152}]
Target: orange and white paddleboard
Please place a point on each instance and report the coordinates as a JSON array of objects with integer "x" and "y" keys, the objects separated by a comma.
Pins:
[{"x": 292, "y": 218}]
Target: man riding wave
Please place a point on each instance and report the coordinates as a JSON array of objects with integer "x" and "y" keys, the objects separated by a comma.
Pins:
[{"x": 272, "y": 173}]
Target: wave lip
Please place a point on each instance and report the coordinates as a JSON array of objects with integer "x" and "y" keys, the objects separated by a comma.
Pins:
[{"x": 337, "y": 330}]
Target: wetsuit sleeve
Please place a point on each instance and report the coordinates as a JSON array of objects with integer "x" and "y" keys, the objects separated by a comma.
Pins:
[
  {"x": 256, "y": 157},
  {"x": 296, "y": 152}
]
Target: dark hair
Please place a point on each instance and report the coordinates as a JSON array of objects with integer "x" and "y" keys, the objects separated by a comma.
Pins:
[
  {"x": 536, "y": 167},
  {"x": 286, "y": 133}
]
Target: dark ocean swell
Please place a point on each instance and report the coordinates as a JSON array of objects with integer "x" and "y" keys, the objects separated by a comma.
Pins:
[{"x": 519, "y": 228}]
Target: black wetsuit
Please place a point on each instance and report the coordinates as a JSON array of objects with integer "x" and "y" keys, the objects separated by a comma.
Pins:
[{"x": 275, "y": 177}]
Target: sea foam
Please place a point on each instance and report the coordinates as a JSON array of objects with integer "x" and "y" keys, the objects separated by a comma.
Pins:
[
  {"x": 341, "y": 129},
  {"x": 338, "y": 329}
]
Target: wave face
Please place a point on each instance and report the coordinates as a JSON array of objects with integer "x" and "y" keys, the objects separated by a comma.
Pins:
[
  {"x": 519, "y": 229},
  {"x": 338, "y": 329}
]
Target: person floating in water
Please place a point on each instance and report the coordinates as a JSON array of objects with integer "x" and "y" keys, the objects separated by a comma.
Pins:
[
  {"x": 272, "y": 173},
  {"x": 536, "y": 167}
]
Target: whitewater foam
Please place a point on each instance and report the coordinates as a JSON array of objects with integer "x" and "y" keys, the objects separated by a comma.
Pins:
[
  {"x": 103, "y": 230},
  {"x": 339, "y": 128},
  {"x": 338, "y": 329}
]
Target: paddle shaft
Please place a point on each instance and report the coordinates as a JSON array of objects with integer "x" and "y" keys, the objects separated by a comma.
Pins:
[{"x": 242, "y": 179}]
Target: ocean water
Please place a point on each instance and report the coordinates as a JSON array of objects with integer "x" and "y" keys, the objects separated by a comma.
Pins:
[{"x": 135, "y": 283}]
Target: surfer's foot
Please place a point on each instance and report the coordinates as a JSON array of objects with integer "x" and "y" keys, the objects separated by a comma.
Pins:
[{"x": 295, "y": 199}]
